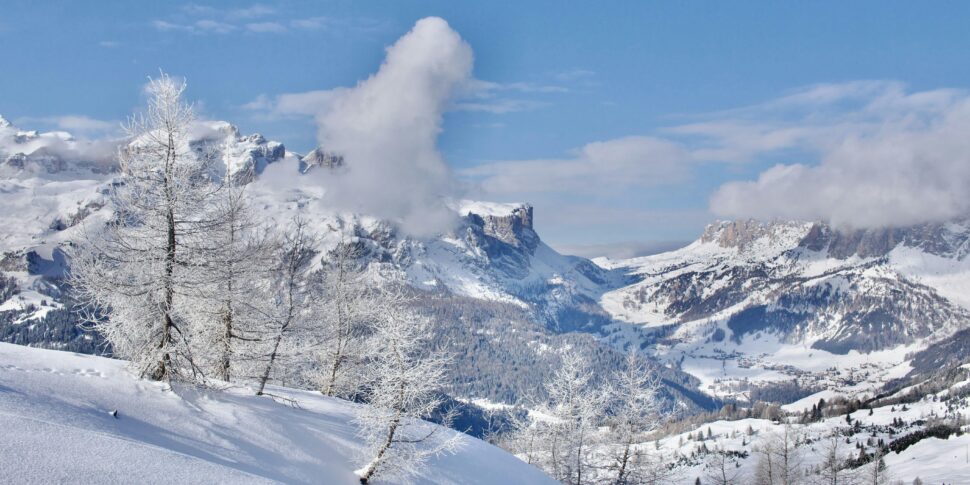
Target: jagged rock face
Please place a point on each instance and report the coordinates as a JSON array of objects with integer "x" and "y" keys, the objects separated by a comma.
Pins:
[
  {"x": 320, "y": 158},
  {"x": 244, "y": 156},
  {"x": 514, "y": 229},
  {"x": 508, "y": 241},
  {"x": 742, "y": 234},
  {"x": 950, "y": 240},
  {"x": 797, "y": 281}
]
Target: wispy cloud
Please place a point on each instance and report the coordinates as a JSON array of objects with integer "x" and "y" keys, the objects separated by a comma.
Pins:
[
  {"x": 205, "y": 19},
  {"x": 252, "y": 11},
  {"x": 81, "y": 125},
  {"x": 508, "y": 97},
  {"x": 205, "y": 26},
  {"x": 620, "y": 250},
  {"x": 613, "y": 165},
  {"x": 575, "y": 74},
  {"x": 266, "y": 27},
  {"x": 257, "y": 19},
  {"x": 474, "y": 95},
  {"x": 499, "y": 106},
  {"x": 869, "y": 153}
]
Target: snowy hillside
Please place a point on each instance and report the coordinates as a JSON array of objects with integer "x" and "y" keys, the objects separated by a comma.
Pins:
[
  {"x": 897, "y": 423},
  {"x": 753, "y": 302},
  {"x": 55, "y": 410},
  {"x": 917, "y": 435}
]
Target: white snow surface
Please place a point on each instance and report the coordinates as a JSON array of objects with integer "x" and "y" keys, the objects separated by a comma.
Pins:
[
  {"x": 464, "y": 207},
  {"x": 933, "y": 460},
  {"x": 55, "y": 413}
]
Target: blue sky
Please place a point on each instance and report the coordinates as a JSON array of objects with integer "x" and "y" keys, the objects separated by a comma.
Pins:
[{"x": 680, "y": 98}]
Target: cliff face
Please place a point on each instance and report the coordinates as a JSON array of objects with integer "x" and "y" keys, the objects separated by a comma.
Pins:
[
  {"x": 949, "y": 240},
  {"x": 514, "y": 229},
  {"x": 944, "y": 239}
]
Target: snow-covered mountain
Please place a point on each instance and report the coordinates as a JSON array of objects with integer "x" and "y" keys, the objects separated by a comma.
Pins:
[
  {"x": 748, "y": 303},
  {"x": 492, "y": 264},
  {"x": 752, "y": 301},
  {"x": 56, "y": 412},
  {"x": 493, "y": 252}
]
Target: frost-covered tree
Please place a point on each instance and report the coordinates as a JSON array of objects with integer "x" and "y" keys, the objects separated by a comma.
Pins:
[
  {"x": 875, "y": 472},
  {"x": 779, "y": 458},
  {"x": 238, "y": 255},
  {"x": 138, "y": 276},
  {"x": 402, "y": 386},
  {"x": 287, "y": 305},
  {"x": 721, "y": 469},
  {"x": 347, "y": 304},
  {"x": 563, "y": 440},
  {"x": 636, "y": 410},
  {"x": 832, "y": 471}
]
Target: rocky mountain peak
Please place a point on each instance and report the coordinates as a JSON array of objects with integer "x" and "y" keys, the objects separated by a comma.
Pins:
[
  {"x": 513, "y": 227},
  {"x": 319, "y": 157},
  {"x": 4, "y": 123},
  {"x": 746, "y": 234},
  {"x": 951, "y": 240}
]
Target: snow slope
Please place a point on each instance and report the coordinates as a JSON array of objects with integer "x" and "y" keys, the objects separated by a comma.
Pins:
[
  {"x": 933, "y": 460},
  {"x": 57, "y": 427}
]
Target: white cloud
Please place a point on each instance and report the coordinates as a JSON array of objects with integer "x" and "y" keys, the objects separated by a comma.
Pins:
[
  {"x": 165, "y": 26},
  {"x": 266, "y": 27},
  {"x": 899, "y": 159},
  {"x": 620, "y": 250},
  {"x": 250, "y": 12},
  {"x": 312, "y": 23},
  {"x": 76, "y": 125},
  {"x": 575, "y": 74},
  {"x": 860, "y": 154},
  {"x": 206, "y": 19},
  {"x": 213, "y": 26},
  {"x": 613, "y": 165},
  {"x": 205, "y": 26},
  {"x": 306, "y": 104},
  {"x": 500, "y": 106},
  {"x": 69, "y": 148},
  {"x": 388, "y": 125},
  {"x": 473, "y": 95}
]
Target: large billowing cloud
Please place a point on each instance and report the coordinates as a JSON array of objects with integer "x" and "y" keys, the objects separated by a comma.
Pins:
[
  {"x": 388, "y": 125},
  {"x": 893, "y": 159}
]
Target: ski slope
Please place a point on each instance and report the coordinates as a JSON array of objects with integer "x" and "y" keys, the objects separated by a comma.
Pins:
[{"x": 55, "y": 413}]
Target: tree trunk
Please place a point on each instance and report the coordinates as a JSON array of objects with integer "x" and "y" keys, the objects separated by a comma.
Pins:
[
  {"x": 227, "y": 341},
  {"x": 269, "y": 365},
  {"x": 372, "y": 466},
  {"x": 333, "y": 374},
  {"x": 621, "y": 475},
  {"x": 163, "y": 368}
]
